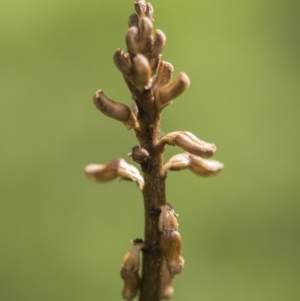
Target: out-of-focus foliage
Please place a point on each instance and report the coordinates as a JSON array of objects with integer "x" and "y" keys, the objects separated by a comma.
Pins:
[{"x": 64, "y": 237}]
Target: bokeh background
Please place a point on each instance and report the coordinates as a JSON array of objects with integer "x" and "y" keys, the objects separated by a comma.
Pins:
[{"x": 64, "y": 237}]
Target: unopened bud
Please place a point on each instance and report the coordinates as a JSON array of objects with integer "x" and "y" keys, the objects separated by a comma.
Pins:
[
  {"x": 157, "y": 48},
  {"x": 132, "y": 283},
  {"x": 147, "y": 48},
  {"x": 102, "y": 173},
  {"x": 168, "y": 92},
  {"x": 129, "y": 271},
  {"x": 167, "y": 292},
  {"x": 116, "y": 168},
  {"x": 141, "y": 72},
  {"x": 177, "y": 162},
  {"x": 166, "y": 288},
  {"x": 122, "y": 62},
  {"x": 204, "y": 167},
  {"x": 131, "y": 260},
  {"x": 158, "y": 44},
  {"x": 133, "y": 20},
  {"x": 149, "y": 11},
  {"x": 144, "y": 32},
  {"x": 129, "y": 172},
  {"x": 164, "y": 75},
  {"x": 167, "y": 220},
  {"x": 132, "y": 40},
  {"x": 114, "y": 110},
  {"x": 190, "y": 143},
  {"x": 139, "y": 155},
  {"x": 171, "y": 244},
  {"x": 199, "y": 166},
  {"x": 140, "y": 7}
]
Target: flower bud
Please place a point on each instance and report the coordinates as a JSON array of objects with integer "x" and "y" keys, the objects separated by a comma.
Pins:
[
  {"x": 129, "y": 271},
  {"x": 164, "y": 75},
  {"x": 158, "y": 44},
  {"x": 129, "y": 172},
  {"x": 157, "y": 48},
  {"x": 171, "y": 243},
  {"x": 141, "y": 72},
  {"x": 177, "y": 162},
  {"x": 145, "y": 28},
  {"x": 102, "y": 173},
  {"x": 147, "y": 48},
  {"x": 116, "y": 168},
  {"x": 132, "y": 40},
  {"x": 190, "y": 143},
  {"x": 167, "y": 220},
  {"x": 114, "y": 110},
  {"x": 140, "y": 7},
  {"x": 199, "y": 166},
  {"x": 205, "y": 168},
  {"x": 166, "y": 288},
  {"x": 168, "y": 92},
  {"x": 132, "y": 283},
  {"x": 149, "y": 11},
  {"x": 122, "y": 62},
  {"x": 144, "y": 33},
  {"x": 167, "y": 292},
  {"x": 131, "y": 260},
  {"x": 133, "y": 20},
  {"x": 139, "y": 155}
]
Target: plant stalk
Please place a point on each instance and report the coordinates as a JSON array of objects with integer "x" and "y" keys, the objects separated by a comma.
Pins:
[{"x": 153, "y": 194}]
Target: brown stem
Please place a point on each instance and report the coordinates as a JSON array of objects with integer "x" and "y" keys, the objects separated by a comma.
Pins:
[{"x": 153, "y": 194}]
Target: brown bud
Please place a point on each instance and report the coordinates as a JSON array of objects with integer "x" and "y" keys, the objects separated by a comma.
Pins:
[
  {"x": 168, "y": 92},
  {"x": 196, "y": 164},
  {"x": 116, "y": 168},
  {"x": 144, "y": 32},
  {"x": 114, "y": 110},
  {"x": 164, "y": 75},
  {"x": 102, "y": 173},
  {"x": 204, "y": 167},
  {"x": 157, "y": 48},
  {"x": 122, "y": 62},
  {"x": 171, "y": 243},
  {"x": 132, "y": 41},
  {"x": 154, "y": 63},
  {"x": 133, "y": 20},
  {"x": 139, "y": 155},
  {"x": 141, "y": 72},
  {"x": 149, "y": 11},
  {"x": 132, "y": 283},
  {"x": 131, "y": 260},
  {"x": 140, "y": 7},
  {"x": 129, "y": 172},
  {"x": 158, "y": 44},
  {"x": 177, "y": 162},
  {"x": 167, "y": 220},
  {"x": 166, "y": 288},
  {"x": 148, "y": 46},
  {"x": 129, "y": 271},
  {"x": 190, "y": 143}
]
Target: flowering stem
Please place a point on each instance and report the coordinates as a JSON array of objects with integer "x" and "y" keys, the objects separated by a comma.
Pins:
[{"x": 149, "y": 80}]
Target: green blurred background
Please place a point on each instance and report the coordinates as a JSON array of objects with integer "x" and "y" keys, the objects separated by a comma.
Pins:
[{"x": 64, "y": 237}]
